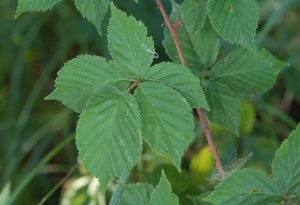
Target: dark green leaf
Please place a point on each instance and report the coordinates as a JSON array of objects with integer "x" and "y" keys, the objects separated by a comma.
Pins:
[
  {"x": 186, "y": 42},
  {"x": 193, "y": 14},
  {"x": 93, "y": 10},
  {"x": 235, "y": 20},
  {"x": 225, "y": 109}
]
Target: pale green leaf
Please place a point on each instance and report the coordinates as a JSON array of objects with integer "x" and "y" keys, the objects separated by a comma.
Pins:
[
  {"x": 162, "y": 193},
  {"x": 128, "y": 44},
  {"x": 93, "y": 10},
  {"x": 247, "y": 187},
  {"x": 180, "y": 79},
  {"x": 235, "y": 20},
  {"x": 34, "y": 5},
  {"x": 286, "y": 165},
  {"x": 193, "y": 14},
  {"x": 109, "y": 136},
  {"x": 246, "y": 73},
  {"x": 136, "y": 194},
  {"x": 225, "y": 108},
  {"x": 83, "y": 77},
  {"x": 5, "y": 193},
  {"x": 167, "y": 122}
]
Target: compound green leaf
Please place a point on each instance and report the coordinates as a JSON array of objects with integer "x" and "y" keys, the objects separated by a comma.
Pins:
[
  {"x": 128, "y": 44},
  {"x": 180, "y": 79},
  {"x": 162, "y": 193},
  {"x": 167, "y": 122},
  {"x": 225, "y": 109},
  {"x": 193, "y": 14},
  {"x": 246, "y": 73},
  {"x": 136, "y": 194},
  {"x": 247, "y": 187},
  {"x": 235, "y": 20},
  {"x": 286, "y": 165},
  {"x": 93, "y": 10},
  {"x": 34, "y": 5},
  {"x": 82, "y": 77},
  {"x": 109, "y": 136}
]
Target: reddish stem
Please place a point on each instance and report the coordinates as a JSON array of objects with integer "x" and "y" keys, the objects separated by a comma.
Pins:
[{"x": 203, "y": 120}]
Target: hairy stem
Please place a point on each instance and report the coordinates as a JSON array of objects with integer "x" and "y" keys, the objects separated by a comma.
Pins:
[{"x": 204, "y": 121}]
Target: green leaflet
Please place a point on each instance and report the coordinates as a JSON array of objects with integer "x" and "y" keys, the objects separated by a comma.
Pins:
[
  {"x": 167, "y": 122},
  {"x": 109, "y": 136},
  {"x": 235, "y": 20},
  {"x": 246, "y": 73},
  {"x": 198, "y": 200},
  {"x": 246, "y": 187},
  {"x": 180, "y": 182},
  {"x": 34, "y": 5},
  {"x": 180, "y": 79},
  {"x": 144, "y": 194},
  {"x": 82, "y": 77},
  {"x": 93, "y": 10},
  {"x": 286, "y": 165},
  {"x": 162, "y": 194},
  {"x": 255, "y": 187},
  {"x": 187, "y": 46},
  {"x": 206, "y": 43},
  {"x": 136, "y": 194},
  {"x": 128, "y": 44},
  {"x": 200, "y": 50},
  {"x": 193, "y": 14},
  {"x": 225, "y": 109}
]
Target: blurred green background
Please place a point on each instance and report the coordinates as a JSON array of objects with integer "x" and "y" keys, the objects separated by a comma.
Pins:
[{"x": 36, "y": 45}]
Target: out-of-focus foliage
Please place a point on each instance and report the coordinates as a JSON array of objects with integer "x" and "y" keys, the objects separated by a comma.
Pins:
[{"x": 36, "y": 45}]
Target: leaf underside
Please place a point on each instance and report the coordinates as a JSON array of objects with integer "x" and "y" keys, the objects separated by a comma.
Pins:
[{"x": 225, "y": 109}]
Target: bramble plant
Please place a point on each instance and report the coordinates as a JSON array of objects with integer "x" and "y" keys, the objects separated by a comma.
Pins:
[{"x": 127, "y": 101}]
